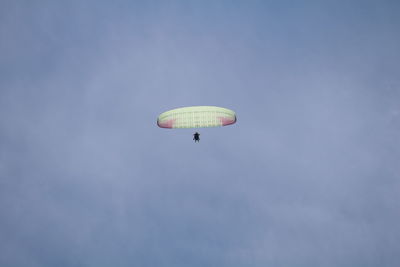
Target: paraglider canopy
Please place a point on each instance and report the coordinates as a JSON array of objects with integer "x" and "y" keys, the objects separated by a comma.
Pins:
[{"x": 196, "y": 117}]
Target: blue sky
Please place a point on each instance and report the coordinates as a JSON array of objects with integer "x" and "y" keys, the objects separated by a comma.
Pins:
[{"x": 309, "y": 175}]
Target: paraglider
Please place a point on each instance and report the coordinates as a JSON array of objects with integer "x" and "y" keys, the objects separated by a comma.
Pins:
[{"x": 196, "y": 117}]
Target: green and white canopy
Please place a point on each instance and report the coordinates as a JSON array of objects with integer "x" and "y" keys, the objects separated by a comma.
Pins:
[{"x": 196, "y": 117}]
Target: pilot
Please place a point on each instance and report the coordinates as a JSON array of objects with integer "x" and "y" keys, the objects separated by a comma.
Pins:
[{"x": 196, "y": 137}]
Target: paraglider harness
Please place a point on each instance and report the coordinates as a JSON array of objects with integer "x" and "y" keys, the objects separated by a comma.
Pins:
[{"x": 196, "y": 137}]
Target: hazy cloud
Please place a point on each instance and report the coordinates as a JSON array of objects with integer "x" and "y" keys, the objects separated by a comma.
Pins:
[{"x": 309, "y": 175}]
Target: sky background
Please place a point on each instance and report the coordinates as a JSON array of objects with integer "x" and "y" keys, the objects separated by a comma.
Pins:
[{"x": 308, "y": 176}]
